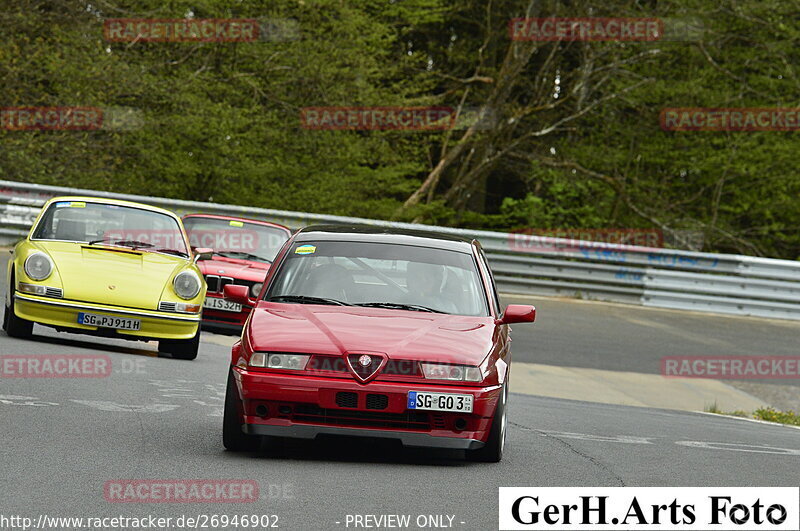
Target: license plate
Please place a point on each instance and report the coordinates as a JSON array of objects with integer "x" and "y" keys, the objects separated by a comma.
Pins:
[
  {"x": 440, "y": 401},
  {"x": 218, "y": 303},
  {"x": 106, "y": 321}
]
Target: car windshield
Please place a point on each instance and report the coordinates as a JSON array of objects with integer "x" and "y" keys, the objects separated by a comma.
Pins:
[
  {"x": 102, "y": 223},
  {"x": 382, "y": 275},
  {"x": 236, "y": 239}
]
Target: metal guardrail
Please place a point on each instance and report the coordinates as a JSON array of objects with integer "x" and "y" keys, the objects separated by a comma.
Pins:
[{"x": 528, "y": 265}]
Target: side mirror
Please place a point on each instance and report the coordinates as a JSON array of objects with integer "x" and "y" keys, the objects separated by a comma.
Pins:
[
  {"x": 236, "y": 293},
  {"x": 202, "y": 253},
  {"x": 516, "y": 313}
]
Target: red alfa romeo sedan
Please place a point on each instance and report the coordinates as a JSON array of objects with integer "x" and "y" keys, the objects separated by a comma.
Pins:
[
  {"x": 243, "y": 251},
  {"x": 374, "y": 332}
]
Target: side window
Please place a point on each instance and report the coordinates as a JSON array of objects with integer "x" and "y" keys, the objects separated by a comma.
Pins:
[{"x": 488, "y": 272}]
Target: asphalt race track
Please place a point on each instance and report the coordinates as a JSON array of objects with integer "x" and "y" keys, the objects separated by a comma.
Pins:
[{"x": 159, "y": 418}]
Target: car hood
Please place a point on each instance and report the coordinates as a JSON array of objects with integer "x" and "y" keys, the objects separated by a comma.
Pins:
[
  {"x": 235, "y": 268},
  {"x": 399, "y": 334},
  {"x": 112, "y": 275}
]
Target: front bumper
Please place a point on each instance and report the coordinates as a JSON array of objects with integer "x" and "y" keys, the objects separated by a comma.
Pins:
[
  {"x": 407, "y": 438},
  {"x": 307, "y": 406},
  {"x": 225, "y": 320},
  {"x": 222, "y": 328},
  {"x": 63, "y": 314}
]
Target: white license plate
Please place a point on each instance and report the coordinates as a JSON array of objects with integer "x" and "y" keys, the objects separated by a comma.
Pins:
[
  {"x": 218, "y": 303},
  {"x": 106, "y": 321},
  {"x": 440, "y": 401}
]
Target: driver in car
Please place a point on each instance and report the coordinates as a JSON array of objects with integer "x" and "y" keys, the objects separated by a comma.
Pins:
[{"x": 425, "y": 284}]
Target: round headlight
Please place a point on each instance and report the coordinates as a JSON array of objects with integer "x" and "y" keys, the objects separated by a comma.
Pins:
[
  {"x": 186, "y": 285},
  {"x": 38, "y": 266},
  {"x": 255, "y": 289}
]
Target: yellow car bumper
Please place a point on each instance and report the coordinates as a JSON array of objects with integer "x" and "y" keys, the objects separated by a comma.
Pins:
[{"x": 64, "y": 314}]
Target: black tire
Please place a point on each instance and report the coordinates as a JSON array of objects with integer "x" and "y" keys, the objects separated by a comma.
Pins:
[
  {"x": 13, "y": 325},
  {"x": 182, "y": 349},
  {"x": 233, "y": 438},
  {"x": 492, "y": 451},
  {"x": 5, "y": 317}
]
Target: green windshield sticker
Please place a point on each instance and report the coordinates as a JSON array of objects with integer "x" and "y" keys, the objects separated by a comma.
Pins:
[
  {"x": 236, "y": 224},
  {"x": 305, "y": 249}
]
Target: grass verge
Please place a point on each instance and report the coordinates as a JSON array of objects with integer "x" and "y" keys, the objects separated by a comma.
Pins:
[{"x": 768, "y": 414}]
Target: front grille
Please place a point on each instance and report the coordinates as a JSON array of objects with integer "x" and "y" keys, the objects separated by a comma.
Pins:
[
  {"x": 365, "y": 373},
  {"x": 222, "y": 318},
  {"x": 320, "y": 362},
  {"x": 56, "y": 293},
  {"x": 344, "y": 399},
  {"x": 165, "y": 306},
  {"x": 212, "y": 283},
  {"x": 401, "y": 368},
  {"x": 437, "y": 421},
  {"x": 216, "y": 283},
  {"x": 377, "y": 401},
  {"x": 410, "y": 420},
  {"x": 326, "y": 363},
  {"x": 248, "y": 283}
]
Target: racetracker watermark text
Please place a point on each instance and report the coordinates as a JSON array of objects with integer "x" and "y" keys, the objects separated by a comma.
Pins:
[
  {"x": 55, "y": 366},
  {"x": 232, "y": 239},
  {"x": 543, "y": 240},
  {"x": 730, "y": 119},
  {"x": 732, "y": 367},
  {"x": 378, "y": 118},
  {"x": 199, "y": 30},
  {"x": 95, "y": 523},
  {"x": 29, "y": 118},
  {"x": 54, "y": 118},
  {"x": 585, "y": 29},
  {"x": 181, "y": 491}
]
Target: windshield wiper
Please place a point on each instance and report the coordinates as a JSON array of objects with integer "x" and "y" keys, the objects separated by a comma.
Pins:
[
  {"x": 258, "y": 258},
  {"x": 133, "y": 244},
  {"x": 399, "y": 306},
  {"x": 172, "y": 251},
  {"x": 249, "y": 256},
  {"x": 306, "y": 299}
]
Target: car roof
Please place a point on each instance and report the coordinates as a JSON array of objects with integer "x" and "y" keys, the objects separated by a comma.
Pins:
[
  {"x": 236, "y": 218},
  {"x": 378, "y": 234},
  {"x": 109, "y": 201}
]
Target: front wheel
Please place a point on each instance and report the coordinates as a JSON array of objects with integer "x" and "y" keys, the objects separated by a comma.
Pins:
[
  {"x": 182, "y": 349},
  {"x": 492, "y": 451},
  {"x": 233, "y": 438},
  {"x": 13, "y": 325}
]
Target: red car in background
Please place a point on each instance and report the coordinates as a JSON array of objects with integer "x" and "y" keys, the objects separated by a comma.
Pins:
[
  {"x": 374, "y": 332},
  {"x": 243, "y": 251}
]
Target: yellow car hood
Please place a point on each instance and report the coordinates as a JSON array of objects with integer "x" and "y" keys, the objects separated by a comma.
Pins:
[{"x": 113, "y": 275}]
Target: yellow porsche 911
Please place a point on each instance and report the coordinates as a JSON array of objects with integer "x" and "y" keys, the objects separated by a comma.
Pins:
[{"x": 108, "y": 268}]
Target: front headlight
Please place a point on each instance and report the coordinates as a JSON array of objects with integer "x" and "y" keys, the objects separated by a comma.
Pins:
[
  {"x": 295, "y": 362},
  {"x": 255, "y": 289},
  {"x": 459, "y": 373},
  {"x": 186, "y": 285},
  {"x": 38, "y": 266}
]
